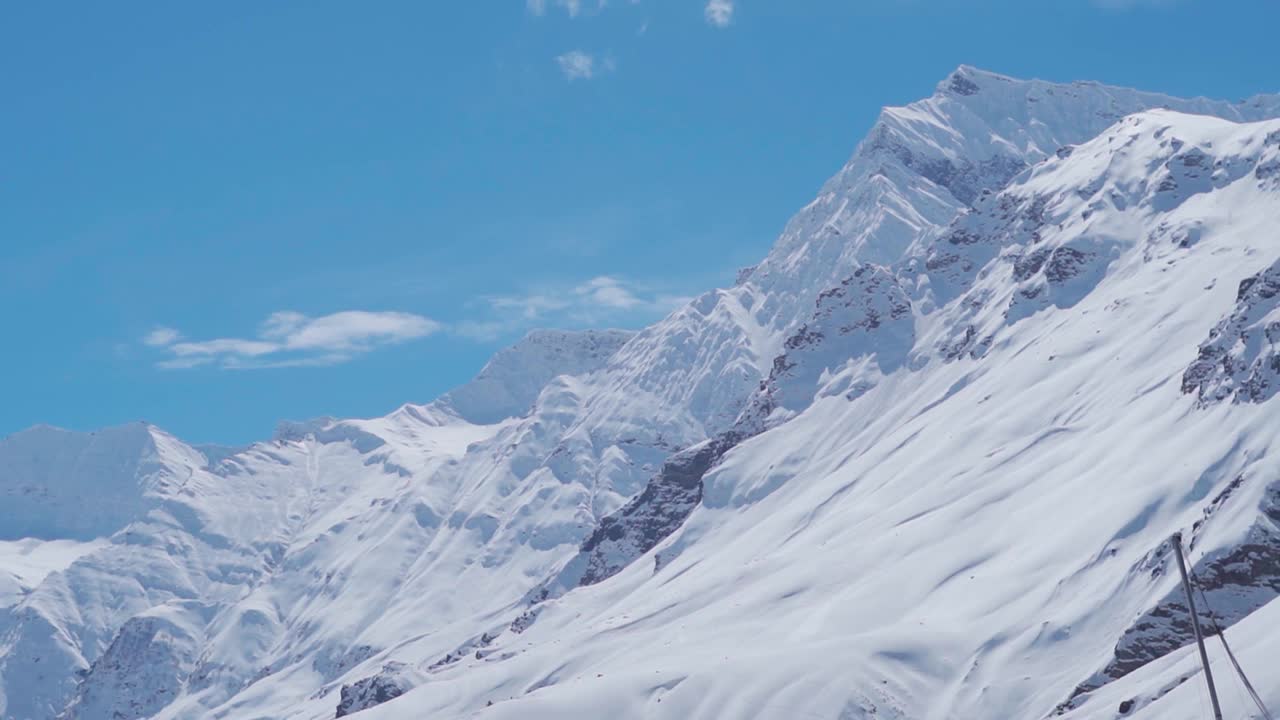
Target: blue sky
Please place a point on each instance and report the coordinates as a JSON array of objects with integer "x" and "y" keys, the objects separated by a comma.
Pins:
[{"x": 218, "y": 215}]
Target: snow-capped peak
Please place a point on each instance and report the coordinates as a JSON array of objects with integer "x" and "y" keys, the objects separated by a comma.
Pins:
[
  {"x": 512, "y": 379},
  {"x": 594, "y": 526},
  {"x": 61, "y": 484}
]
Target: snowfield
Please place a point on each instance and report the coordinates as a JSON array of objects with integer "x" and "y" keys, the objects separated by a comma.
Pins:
[{"x": 921, "y": 463}]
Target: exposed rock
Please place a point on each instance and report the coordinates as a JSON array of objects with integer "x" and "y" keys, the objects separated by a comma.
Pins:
[
  {"x": 1240, "y": 359},
  {"x": 387, "y": 685},
  {"x": 144, "y": 667},
  {"x": 655, "y": 513},
  {"x": 1230, "y": 585}
]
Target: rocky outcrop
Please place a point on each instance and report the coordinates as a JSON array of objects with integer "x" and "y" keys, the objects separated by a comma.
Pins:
[
  {"x": 1240, "y": 361},
  {"x": 646, "y": 520},
  {"x": 655, "y": 513},
  {"x": 867, "y": 315},
  {"x": 1230, "y": 584},
  {"x": 144, "y": 667},
  {"x": 510, "y": 383},
  {"x": 389, "y": 684},
  {"x": 964, "y": 179}
]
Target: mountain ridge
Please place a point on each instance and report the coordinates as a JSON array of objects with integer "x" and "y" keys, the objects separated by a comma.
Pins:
[{"x": 725, "y": 447}]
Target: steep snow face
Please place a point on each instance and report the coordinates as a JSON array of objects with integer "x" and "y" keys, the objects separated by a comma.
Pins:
[
  {"x": 24, "y": 564},
  {"x": 509, "y": 384},
  {"x": 923, "y": 162},
  {"x": 235, "y": 572},
  {"x": 976, "y": 535},
  {"x": 867, "y": 314},
  {"x": 254, "y": 571},
  {"x": 56, "y": 484},
  {"x": 713, "y": 540},
  {"x": 918, "y": 167}
]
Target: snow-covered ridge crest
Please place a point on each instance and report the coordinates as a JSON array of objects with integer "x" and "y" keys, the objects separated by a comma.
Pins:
[
  {"x": 916, "y": 531},
  {"x": 60, "y": 484},
  {"x": 918, "y": 167},
  {"x": 973, "y": 535},
  {"x": 509, "y": 384}
]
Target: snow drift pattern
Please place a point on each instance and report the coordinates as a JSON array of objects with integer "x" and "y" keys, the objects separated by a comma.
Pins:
[{"x": 920, "y": 462}]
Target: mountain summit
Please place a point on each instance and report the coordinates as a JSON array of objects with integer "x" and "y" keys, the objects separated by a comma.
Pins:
[{"x": 921, "y": 462}]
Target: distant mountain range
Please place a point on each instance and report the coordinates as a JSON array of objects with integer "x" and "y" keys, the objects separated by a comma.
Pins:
[{"x": 920, "y": 463}]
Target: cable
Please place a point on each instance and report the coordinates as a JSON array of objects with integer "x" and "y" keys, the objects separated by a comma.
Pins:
[{"x": 1222, "y": 635}]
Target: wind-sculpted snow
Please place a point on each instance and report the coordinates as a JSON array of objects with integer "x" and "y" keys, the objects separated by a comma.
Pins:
[
  {"x": 145, "y": 666},
  {"x": 1232, "y": 583},
  {"x": 919, "y": 463},
  {"x": 920, "y": 165},
  {"x": 56, "y": 484},
  {"x": 970, "y": 536},
  {"x": 510, "y": 383},
  {"x": 867, "y": 314},
  {"x": 1049, "y": 239},
  {"x": 648, "y": 519},
  {"x": 270, "y": 541}
]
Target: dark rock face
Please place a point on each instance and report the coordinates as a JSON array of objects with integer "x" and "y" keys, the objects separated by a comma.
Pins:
[
  {"x": 371, "y": 691},
  {"x": 964, "y": 179},
  {"x": 650, "y": 517},
  {"x": 867, "y": 314},
  {"x": 1187, "y": 173},
  {"x": 1240, "y": 359},
  {"x": 1028, "y": 264},
  {"x": 977, "y": 237},
  {"x": 962, "y": 85},
  {"x": 1065, "y": 263},
  {"x": 1231, "y": 585},
  {"x": 637, "y": 527},
  {"x": 140, "y": 672}
]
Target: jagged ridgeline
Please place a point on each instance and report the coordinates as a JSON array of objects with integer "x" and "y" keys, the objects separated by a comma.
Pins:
[{"x": 921, "y": 462}]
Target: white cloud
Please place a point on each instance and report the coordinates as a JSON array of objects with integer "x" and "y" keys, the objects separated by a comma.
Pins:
[
  {"x": 224, "y": 346},
  {"x": 161, "y": 336},
  {"x": 601, "y": 300},
  {"x": 719, "y": 12},
  {"x": 607, "y": 292},
  {"x": 530, "y": 306},
  {"x": 571, "y": 7},
  {"x": 183, "y": 363},
  {"x": 291, "y": 339},
  {"x": 577, "y": 65},
  {"x": 484, "y": 331}
]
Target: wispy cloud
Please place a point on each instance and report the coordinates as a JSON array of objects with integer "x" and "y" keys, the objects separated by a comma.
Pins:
[
  {"x": 161, "y": 336},
  {"x": 292, "y": 339},
  {"x": 572, "y": 7},
  {"x": 719, "y": 12},
  {"x": 601, "y": 300},
  {"x": 579, "y": 65},
  {"x": 607, "y": 292}
]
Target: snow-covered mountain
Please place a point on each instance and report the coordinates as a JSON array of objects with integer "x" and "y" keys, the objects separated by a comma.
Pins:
[{"x": 921, "y": 462}]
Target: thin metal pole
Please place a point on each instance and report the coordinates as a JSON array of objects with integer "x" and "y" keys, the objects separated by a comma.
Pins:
[{"x": 1195, "y": 624}]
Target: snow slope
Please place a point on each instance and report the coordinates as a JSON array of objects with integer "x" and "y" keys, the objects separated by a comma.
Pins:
[
  {"x": 973, "y": 536},
  {"x": 25, "y": 563},
  {"x": 921, "y": 462}
]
